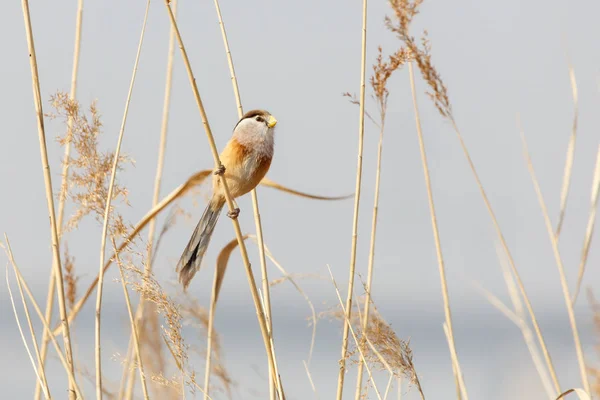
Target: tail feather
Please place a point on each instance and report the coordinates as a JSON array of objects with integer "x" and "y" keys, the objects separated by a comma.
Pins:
[{"x": 190, "y": 260}]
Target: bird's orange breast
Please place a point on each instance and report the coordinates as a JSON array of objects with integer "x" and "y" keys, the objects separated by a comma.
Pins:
[{"x": 244, "y": 168}]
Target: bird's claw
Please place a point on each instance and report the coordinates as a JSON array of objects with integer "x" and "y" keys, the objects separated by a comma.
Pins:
[
  {"x": 233, "y": 214},
  {"x": 220, "y": 171}
]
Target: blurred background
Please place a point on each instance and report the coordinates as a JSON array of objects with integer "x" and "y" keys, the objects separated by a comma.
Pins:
[{"x": 296, "y": 59}]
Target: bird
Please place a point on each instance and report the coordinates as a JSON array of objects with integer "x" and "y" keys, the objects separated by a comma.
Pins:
[{"x": 245, "y": 161}]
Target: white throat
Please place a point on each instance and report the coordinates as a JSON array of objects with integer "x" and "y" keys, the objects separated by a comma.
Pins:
[{"x": 255, "y": 135}]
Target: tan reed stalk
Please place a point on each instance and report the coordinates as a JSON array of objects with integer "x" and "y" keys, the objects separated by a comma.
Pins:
[
  {"x": 253, "y": 289},
  {"x": 368, "y": 286},
  {"x": 388, "y": 387},
  {"x": 456, "y": 367},
  {"x": 561, "y": 269},
  {"x": 589, "y": 231},
  {"x": 511, "y": 261},
  {"x": 564, "y": 193},
  {"x": 361, "y": 131},
  {"x": 35, "y": 80},
  {"x": 139, "y": 314},
  {"x": 257, "y": 221},
  {"x": 76, "y": 393},
  {"x": 63, "y": 189},
  {"x": 356, "y": 341},
  {"x": 434, "y": 226},
  {"x": 134, "y": 331},
  {"x": 98, "y": 352},
  {"x": 163, "y": 138},
  {"x": 41, "y": 376}
]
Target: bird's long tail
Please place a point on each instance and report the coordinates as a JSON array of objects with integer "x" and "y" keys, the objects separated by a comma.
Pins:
[{"x": 190, "y": 260}]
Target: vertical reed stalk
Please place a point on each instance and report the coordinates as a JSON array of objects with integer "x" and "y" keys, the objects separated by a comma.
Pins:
[
  {"x": 257, "y": 221},
  {"x": 238, "y": 232},
  {"x": 162, "y": 146},
  {"x": 98, "y": 348},
  {"x": 63, "y": 190},
  {"x": 436, "y": 235},
  {"x": 368, "y": 287},
  {"x": 35, "y": 80},
  {"x": 361, "y": 131}
]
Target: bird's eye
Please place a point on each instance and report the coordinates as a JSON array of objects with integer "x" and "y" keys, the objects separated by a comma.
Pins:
[{"x": 259, "y": 119}]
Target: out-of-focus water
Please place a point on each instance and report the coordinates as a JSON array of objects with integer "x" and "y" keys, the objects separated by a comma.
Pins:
[{"x": 495, "y": 361}]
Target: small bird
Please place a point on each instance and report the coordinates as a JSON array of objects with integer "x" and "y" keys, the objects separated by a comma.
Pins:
[{"x": 245, "y": 161}]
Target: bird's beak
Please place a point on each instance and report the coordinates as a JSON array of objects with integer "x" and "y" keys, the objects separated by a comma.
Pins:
[{"x": 271, "y": 121}]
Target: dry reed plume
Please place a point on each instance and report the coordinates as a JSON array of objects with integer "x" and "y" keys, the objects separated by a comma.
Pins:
[{"x": 89, "y": 165}]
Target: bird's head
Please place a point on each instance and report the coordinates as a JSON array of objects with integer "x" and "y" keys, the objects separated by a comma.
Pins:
[{"x": 256, "y": 123}]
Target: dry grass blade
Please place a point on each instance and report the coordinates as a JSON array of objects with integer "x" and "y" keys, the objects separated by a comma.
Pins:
[
  {"x": 272, "y": 184},
  {"x": 41, "y": 381},
  {"x": 42, "y": 370},
  {"x": 312, "y": 384},
  {"x": 72, "y": 383},
  {"x": 56, "y": 264},
  {"x": 107, "y": 213},
  {"x": 579, "y": 392},
  {"x": 589, "y": 232},
  {"x": 564, "y": 193},
  {"x": 561, "y": 271},
  {"x": 222, "y": 261}
]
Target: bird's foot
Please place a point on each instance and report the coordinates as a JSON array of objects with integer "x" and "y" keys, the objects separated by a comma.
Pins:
[
  {"x": 233, "y": 214},
  {"x": 220, "y": 171}
]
